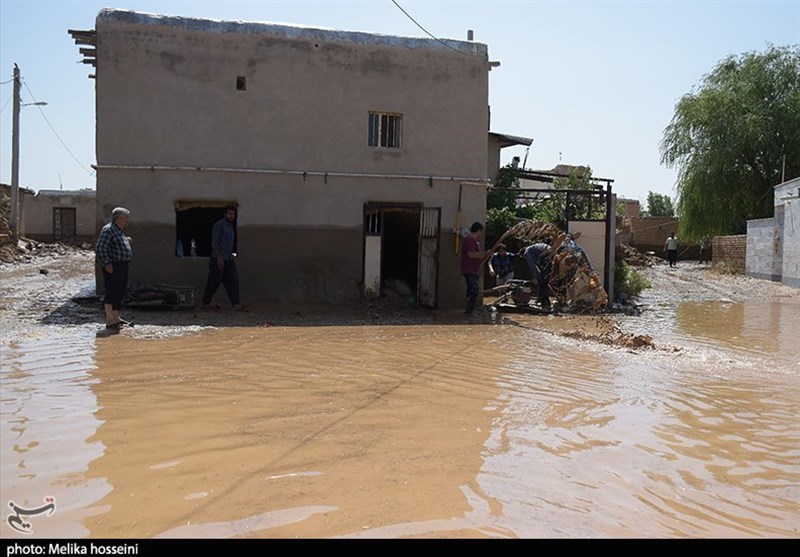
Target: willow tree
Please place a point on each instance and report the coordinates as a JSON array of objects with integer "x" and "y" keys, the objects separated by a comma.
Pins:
[{"x": 733, "y": 138}]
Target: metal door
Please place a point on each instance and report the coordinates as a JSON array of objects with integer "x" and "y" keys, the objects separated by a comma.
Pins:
[
  {"x": 428, "y": 268},
  {"x": 373, "y": 244},
  {"x": 64, "y": 224}
]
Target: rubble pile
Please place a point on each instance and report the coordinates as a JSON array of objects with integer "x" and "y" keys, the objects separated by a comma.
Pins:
[
  {"x": 27, "y": 250},
  {"x": 634, "y": 257},
  {"x": 573, "y": 281}
]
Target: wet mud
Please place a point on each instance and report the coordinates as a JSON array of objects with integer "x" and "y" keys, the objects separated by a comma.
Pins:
[{"x": 386, "y": 422}]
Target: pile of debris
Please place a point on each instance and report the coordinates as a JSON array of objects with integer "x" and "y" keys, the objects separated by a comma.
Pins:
[
  {"x": 26, "y": 249},
  {"x": 573, "y": 282},
  {"x": 634, "y": 257}
]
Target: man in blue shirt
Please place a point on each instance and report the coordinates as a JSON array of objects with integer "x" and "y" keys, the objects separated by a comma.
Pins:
[
  {"x": 114, "y": 252},
  {"x": 538, "y": 257},
  {"x": 222, "y": 263},
  {"x": 501, "y": 265}
]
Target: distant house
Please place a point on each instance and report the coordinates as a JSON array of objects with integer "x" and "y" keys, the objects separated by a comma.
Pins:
[
  {"x": 62, "y": 216},
  {"x": 351, "y": 156},
  {"x": 24, "y": 196}
]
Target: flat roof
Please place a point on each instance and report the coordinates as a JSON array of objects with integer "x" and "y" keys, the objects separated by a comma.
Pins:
[
  {"x": 292, "y": 31},
  {"x": 509, "y": 140}
]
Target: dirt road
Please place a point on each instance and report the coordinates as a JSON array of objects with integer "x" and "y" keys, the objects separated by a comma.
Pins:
[{"x": 54, "y": 286}]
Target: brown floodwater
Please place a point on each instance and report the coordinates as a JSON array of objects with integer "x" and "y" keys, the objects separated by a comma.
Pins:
[{"x": 502, "y": 429}]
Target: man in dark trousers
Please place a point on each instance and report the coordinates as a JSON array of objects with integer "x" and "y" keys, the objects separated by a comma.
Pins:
[
  {"x": 538, "y": 257},
  {"x": 113, "y": 249},
  {"x": 222, "y": 263},
  {"x": 472, "y": 257}
]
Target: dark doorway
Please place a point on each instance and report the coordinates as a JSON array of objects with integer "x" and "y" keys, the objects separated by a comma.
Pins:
[
  {"x": 193, "y": 230},
  {"x": 401, "y": 245},
  {"x": 64, "y": 224}
]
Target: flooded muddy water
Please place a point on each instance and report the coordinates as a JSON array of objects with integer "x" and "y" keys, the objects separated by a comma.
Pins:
[{"x": 498, "y": 429}]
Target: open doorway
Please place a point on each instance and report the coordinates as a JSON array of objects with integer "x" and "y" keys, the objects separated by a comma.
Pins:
[
  {"x": 401, "y": 244},
  {"x": 193, "y": 223},
  {"x": 401, "y": 248}
]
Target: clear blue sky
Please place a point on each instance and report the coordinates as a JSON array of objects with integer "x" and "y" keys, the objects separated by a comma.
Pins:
[{"x": 591, "y": 82}]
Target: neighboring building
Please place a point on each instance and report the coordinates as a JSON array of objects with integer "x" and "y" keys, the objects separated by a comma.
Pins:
[
  {"x": 62, "y": 216},
  {"x": 351, "y": 156},
  {"x": 24, "y": 196},
  {"x": 497, "y": 142},
  {"x": 773, "y": 244},
  {"x": 631, "y": 208},
  {"x": 651, "y": 233}
]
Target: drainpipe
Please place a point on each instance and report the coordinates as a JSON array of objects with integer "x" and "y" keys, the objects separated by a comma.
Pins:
[{"x": 610, "y": 244}]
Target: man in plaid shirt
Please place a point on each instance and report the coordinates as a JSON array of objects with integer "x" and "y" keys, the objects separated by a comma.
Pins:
[{"x": 114, "y": 253}]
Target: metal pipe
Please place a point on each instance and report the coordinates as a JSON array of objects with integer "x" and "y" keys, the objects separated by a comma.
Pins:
[{"x": 481, "y": 181}]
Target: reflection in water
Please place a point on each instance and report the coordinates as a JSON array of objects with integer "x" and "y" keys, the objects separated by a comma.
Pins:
[
  {"x": 47, "y": 410},
  {"x": 416, "y": 431}
]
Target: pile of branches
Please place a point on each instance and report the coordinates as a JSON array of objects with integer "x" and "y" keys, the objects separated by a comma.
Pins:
[
  {"x": 638, "y": 259},
  {"x": 572, "y": 280}
]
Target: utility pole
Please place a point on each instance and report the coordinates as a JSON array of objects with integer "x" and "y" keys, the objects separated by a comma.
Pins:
[{"x": 14, "y": 224}]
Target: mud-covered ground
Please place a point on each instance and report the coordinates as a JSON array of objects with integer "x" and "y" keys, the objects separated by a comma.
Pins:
[
  {"x": 678, "y": 420},
  {"x": 53, "y": 285}
]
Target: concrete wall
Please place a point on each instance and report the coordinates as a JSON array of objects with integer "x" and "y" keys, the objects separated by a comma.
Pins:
[
  {"x": 493, "y": 158},
  {"x": 279, "y": 260},
  {"x": 40, "y": 218},
  {"x": 773, "y": 245},
  {"x": 291, "y": 149},
  {"x": 730, "y": 252},
  {"x": 787, "y": 199},
  {"x": 763, "y": 250}
]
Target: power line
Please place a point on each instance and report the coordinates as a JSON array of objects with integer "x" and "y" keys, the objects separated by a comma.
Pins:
[
  {"x": 91, "y": 173},
  {"x": 5, "y": 104},
  {"x": 425, "y": 30}
]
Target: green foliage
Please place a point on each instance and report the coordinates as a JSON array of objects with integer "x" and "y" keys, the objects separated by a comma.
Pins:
[
  {"x": 659, "y": 205},
  {"x": 507, "y": 177},
  {"x": 498, "y": 221},
  {"x": 628, "y": 281},
  {"x": 504, "y": 209},
  {"x": 576, "y": 206},
  {"x": 729, "y": 139}
]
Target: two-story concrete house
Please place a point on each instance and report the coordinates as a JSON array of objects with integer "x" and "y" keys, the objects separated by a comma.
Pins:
[{"x": 352, "y": 157}]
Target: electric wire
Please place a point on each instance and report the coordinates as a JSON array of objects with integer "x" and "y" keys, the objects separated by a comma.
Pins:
[
  {"x": 89, "y": 172},
  {"x": 425, "y": 30}
]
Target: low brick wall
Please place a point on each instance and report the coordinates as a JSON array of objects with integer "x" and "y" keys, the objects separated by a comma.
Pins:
[
  {"x": 650, "y": 233},
  {"x": 730, "y": 252}
]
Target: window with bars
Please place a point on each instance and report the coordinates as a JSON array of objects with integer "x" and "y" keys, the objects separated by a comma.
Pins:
[{"x": 385, "y": 129}]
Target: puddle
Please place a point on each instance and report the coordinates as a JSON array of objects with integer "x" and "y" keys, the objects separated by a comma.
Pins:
[{"x": 436, "y": 431}]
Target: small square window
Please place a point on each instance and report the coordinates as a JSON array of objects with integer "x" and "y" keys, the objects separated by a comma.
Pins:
[{"x": 385, "y": 129}]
